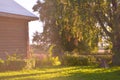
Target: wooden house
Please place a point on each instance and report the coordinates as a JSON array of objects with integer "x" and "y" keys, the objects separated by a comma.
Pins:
[{"x": 14, "y": 32}]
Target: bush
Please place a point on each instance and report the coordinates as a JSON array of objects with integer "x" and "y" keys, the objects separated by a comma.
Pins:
[
  {"x": 55, "y": 61},
  {"x": 84, "y": 60},
  {"x": 104, "y": 60},
  {"x": 48, "y": 61},
  {"x": 92, "y": 60},
  {"x": 1, "y": 62},
  {"x": 15, "y": 64},
  {"x": 2, "y": 65},
  {"x": 30, "y": 63},
  {"x": 42, "y": 62},
  {"x": 9, "y": 65},
  {"x": 73, "y": 60}
]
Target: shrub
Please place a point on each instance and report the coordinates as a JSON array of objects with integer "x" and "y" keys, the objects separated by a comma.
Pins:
[
  {"x": 55, "y": 61},
  {"x": 104, "y": 60},
  {"x": 12, "y": 65},
  {"x": 73, "y": 60},
  {"x": 42, "y": 62},
  {"x": 15, "y": 64},
  {"x": 2, "y": 65},
  {"x": 48, "y": 61},
  {"x": 92, "y": 60},
  {"x": 1, "y": 62},
  {"x": 83, "y": 60},
  {"x": 30, "y": 63}
]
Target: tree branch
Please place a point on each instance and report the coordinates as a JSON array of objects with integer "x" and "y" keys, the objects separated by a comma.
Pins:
[
  {"x": 102, "y": 24},
  {"x": 108, "y": 21}
]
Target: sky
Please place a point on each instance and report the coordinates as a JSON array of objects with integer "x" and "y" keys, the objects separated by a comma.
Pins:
[{"x": 33, "y": 25}]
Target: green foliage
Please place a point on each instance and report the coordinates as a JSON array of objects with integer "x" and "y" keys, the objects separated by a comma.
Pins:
[
  {"x": 47, "y": 59},
  {"x": 36, "y": 38},
  {"x": 72, "y": 60},
  {"x": 68, "y": 22},
  {"x": 71, "y": 23},
  {"x": 30, "y": 63},
  {"x": 1, "y": 61},
  {"x": 13, "y": 57},
  {"x": 15, "y": 65},
  {"x": 15, "y": 62},
  {"x": 77, "y": 27},
  {"x": 66, "y": 26},
  {"x": 2, "y": 65},
  {"x": 54, "y": 61},
  {"x": 12, "y": 65},
  {"x": 43, "y": 62},
  {"x": 50, "y": 33},
  {"x": 51, "y": 50},
  {"x": 69, "y": 59}
]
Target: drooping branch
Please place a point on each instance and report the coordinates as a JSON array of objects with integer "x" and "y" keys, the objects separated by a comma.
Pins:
[
  {"x": 107, "y": 21},
  {"x": 102, "y": 24}
]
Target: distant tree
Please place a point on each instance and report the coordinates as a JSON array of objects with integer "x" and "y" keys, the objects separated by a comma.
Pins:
[
  {"x": 77, "y": 26},
  {"x": 36, "y": 38}
]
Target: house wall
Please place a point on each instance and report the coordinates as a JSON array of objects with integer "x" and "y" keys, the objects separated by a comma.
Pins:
[{"x": 13, "y": 37}]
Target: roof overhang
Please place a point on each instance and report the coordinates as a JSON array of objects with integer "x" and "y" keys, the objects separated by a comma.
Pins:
[
  {"x": 29, "y": 18},
  {"x": 10, "y": 8}
]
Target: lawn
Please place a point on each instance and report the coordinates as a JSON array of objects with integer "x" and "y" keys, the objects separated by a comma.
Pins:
[{"x": 63, "y": 73}]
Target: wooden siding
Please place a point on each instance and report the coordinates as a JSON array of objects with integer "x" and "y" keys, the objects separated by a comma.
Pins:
[{"x": 13, "y": 36}]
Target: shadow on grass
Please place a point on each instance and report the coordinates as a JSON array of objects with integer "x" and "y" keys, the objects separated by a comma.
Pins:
[
  {"x": 48, "y": 70},
  {"x": 15, "y": 76},
  {"x": 67, "y": 73},
  {"x": 112, "y": 75}
]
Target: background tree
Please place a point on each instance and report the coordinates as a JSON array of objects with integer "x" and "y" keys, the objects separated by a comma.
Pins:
[
  {"x": 36, "y": 38},
  {"x": 65, "y": 27},
  {"x": 107, "y": 14},
  {"x": 77, "y": 30},
  {"x": 39, "y": 42},
  {"x": 47, "y": 11},
  {"x": 78, "y": 22}
]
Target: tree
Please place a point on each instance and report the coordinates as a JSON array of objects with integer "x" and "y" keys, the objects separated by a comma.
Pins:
[
  {"x": 40, "y": 42},
  {"x": 107, "y": 14},
  {"x": 36, "y": 38},
  {"x": 50, "y": 34},
  {"x": 75, "y": 20},
  {"x": 64, "y": 25},
  {"x": 78, "y": 29}
]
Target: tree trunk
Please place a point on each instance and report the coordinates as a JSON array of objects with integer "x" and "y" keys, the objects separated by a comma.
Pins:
[{"x": 116, "y": 50}]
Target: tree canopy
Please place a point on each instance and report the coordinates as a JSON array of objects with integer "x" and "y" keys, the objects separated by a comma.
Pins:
[
  {"x": 65, "y": 24},
  {"x": 81, "y": 23}
]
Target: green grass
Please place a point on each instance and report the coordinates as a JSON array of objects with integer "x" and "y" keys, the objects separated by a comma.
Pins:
[{"x": 63, "y": 73}]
